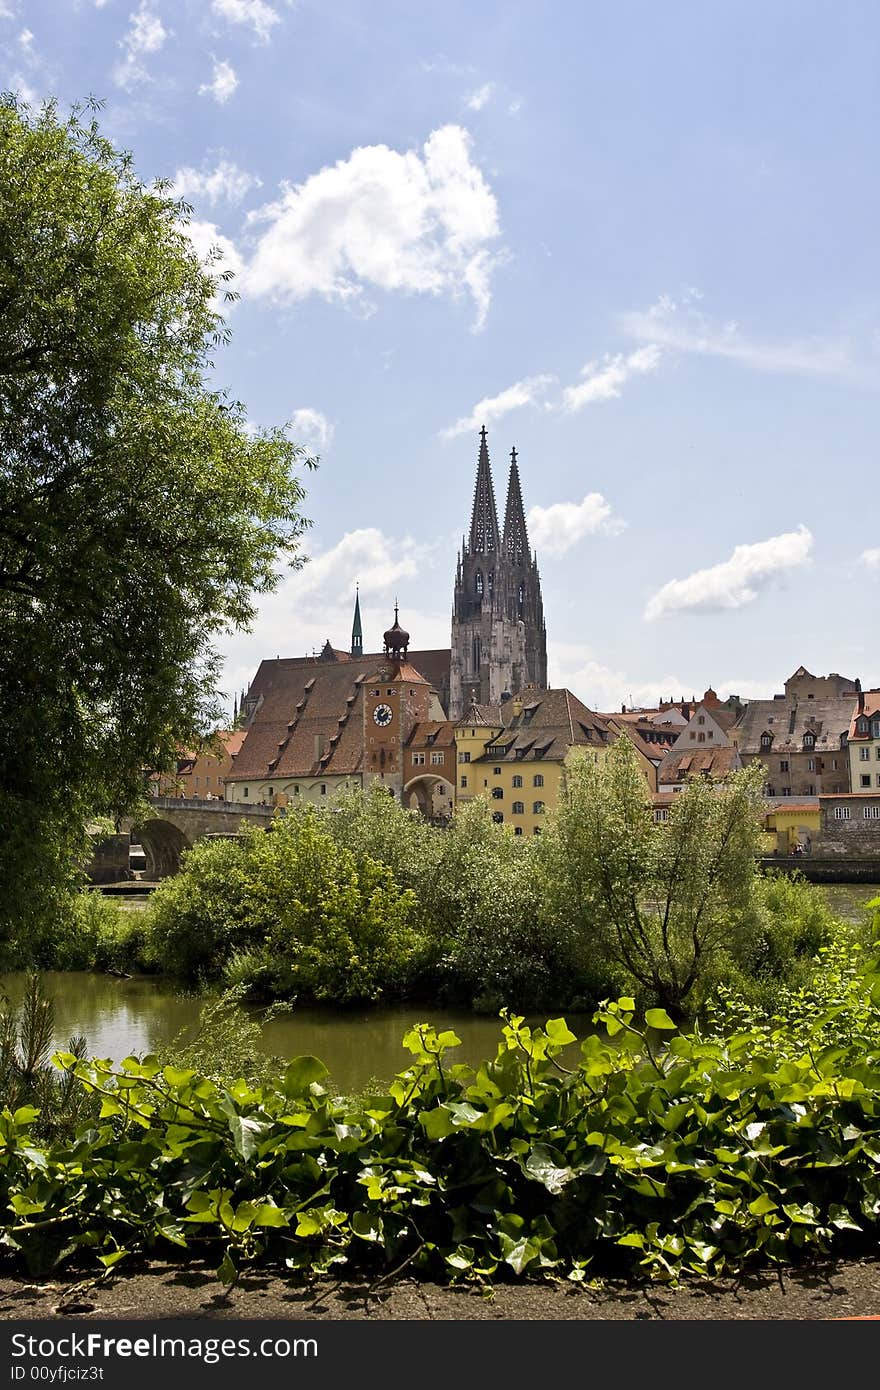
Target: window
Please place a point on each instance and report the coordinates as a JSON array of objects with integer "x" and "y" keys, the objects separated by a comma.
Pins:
[
  {"x": 875, "y": 728},
  {"x": 661, "y": 814},
  {"x": 811, "y": 764},
  {"x": 769, "y": 791},
  {"x": 709, "y": 734},
  {"x": 436, "y": 759},
  {"x": 519, "y": 808},
  {"x": 246, "y": 793},
  {"x": 537, "y": 830},
  {"x": 538, "y": 808},
  {"x": 692, "y": 735},
  {"x": 786, "y": 791},
  {"x": 809, "y": 740},
  {"x": 701, "y": 719},
  {"x": 834, "y": 764},
  {"x": 538, "y": 779},
  {"x": 496, "y": 772},
  {"x": 862, "y": 725},
  {"x": 517, "y": 780},
  {"x": 323, "y": 788},
  {"x": 766, "y": 740},
  {"x": 871, "y": 812},
  {"x": 271, "y": 791},
  {"x": 841, "y": 813},
  {"x": 864, "y": 754},
  {"x": 296, "y": 788},
  {"x": 479, "y": 583},
  {"x": 878, "y": 759},
  {"x": 517, "y": 830},
  {"x": 865, "y": 779},
  {"x": 498, "y": 817},
  {"x": 701, "y": 738},
  {"x": 418, "y": 759},
  {"x": 463, "y": 782},
  {"x": 497, "y": 793},
  {"x": 783, "y": 764},
  {"x": 464, "y": 757}
]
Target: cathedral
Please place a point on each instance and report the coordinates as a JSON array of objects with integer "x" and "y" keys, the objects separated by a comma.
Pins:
[
  {"x": 499, "y": 639},
  {"x": 318, "y": 724}
]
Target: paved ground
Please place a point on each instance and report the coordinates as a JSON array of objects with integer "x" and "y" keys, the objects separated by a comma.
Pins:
[{"x": 163, "y": 1292}]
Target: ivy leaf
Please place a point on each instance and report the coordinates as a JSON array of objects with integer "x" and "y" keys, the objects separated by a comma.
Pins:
[
  {"x": 543, "y": 1164},
  {"x": 659, "y": 1018},
  {"x": 301, "y": 1074}
]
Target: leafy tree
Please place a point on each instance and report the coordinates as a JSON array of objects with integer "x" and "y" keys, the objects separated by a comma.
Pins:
[
  {"x": 139, "y": 517},
  {"x": 659, "y": 901}
]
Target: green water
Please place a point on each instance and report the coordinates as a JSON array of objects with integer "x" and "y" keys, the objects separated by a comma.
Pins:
[{"x": 119, "y": 1017}]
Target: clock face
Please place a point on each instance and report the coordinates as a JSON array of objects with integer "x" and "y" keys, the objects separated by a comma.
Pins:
[{"x": 383, "y": 715}]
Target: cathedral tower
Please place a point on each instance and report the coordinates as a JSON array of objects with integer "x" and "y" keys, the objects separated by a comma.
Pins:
[{"x": 499, "y": 640}]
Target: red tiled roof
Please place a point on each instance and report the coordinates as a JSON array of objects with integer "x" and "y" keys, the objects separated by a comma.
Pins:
[
  {"x": 871, "y": 709},
  {"x": 714, "y": 762}
]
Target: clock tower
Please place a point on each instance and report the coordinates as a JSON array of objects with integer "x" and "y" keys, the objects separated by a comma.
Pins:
[{"x": 396, "y": 699}]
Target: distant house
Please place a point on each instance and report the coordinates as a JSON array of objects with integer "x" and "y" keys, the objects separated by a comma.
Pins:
[
  {"x": 800, "y": 736},
  {"x": 864, "y": 743},
  {"x": 680, "y": 767},
  {"x": 201, "y": 774},
  {"x": 514, "y": 754}
]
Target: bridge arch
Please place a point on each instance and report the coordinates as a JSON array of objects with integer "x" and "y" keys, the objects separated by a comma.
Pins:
[
  {"x": 163, "y": 844},
  {"x": 430, "y": 794}
]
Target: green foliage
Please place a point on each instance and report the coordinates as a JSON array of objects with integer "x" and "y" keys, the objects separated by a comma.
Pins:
[
  {"x": 29, "y": 1084},
  {"x": 658, "y": 1154},
  {"x": 658, "y": 902},
  {"x": 226, "y": 1043},
  {"x": 138, "y": 517},
  {"x": 93, "y": 932},
  {"x": 290, "y": 909}
]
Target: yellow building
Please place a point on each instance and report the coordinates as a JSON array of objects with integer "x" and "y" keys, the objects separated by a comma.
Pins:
[
  {"x": 789, "y": 822},
  {"x": 514, "y": 754},
  {"x": 864, "y": 744}
]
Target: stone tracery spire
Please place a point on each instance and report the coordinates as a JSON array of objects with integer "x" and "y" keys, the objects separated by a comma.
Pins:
[
  {"x": 484, "y": 538},
  {"x": 516, "y": 540}
]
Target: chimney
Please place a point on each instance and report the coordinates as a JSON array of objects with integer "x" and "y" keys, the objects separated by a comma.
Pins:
[
  {"x": 861, "y": 694},
  {"x": 517, "y": 706}
]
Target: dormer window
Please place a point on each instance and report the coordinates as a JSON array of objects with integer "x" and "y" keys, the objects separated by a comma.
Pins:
[
  {"x": 766, "y": 740},
  {"x": 809, "y": 740},
  {"x": 862, "y": 725}
]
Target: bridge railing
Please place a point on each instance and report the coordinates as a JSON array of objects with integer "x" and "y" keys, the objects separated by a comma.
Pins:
[{"x": 234, "y": 808}]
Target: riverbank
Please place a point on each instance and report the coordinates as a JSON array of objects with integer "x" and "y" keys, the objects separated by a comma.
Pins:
[{"x": 157, "y": 1292}]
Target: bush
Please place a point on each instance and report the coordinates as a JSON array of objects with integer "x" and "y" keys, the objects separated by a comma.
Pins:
[
  {"x": 290, "y": 911},
  {"x": 92, "y": 932}
]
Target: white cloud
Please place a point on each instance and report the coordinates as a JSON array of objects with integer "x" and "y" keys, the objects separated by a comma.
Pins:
[
  {"x": 223, "y": 82},
  {"x": 146, "y": 34},
  {"x": 26, "y": 39},
  {"x": 682, "y": 327},
  {"x": 226, "y": 183},
  {"x": 481, "y": 97},
  {"x": 421, "y": 222},
  {"x": 602, "y": 688},
  {"x": 557, "y": 528},
  {"x": 492, "y": 408},
  {"x": 871, "y": 560},
  {"x": 217, "y": 254},
  {"x": 19, "y": 83},
  {"x": 602, "y": 379},
  {"x": 735, "y": 582},
  {"x": 309, "y": 426},
  {"x": 259, "y": 15}
]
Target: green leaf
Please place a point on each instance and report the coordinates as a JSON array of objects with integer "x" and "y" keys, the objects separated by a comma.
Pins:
[
  {"x": 302, "y": 1073},
  {"x": 368, "y": 1226},
  {"x": 659, "y": 1018},
  {"x": 545, "y": 1166}
]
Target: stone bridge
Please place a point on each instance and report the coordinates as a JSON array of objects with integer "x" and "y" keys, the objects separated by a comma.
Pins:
[{"x": 174, "y": 824}]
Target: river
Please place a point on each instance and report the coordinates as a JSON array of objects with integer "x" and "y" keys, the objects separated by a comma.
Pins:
[{"x": 119, "y": 1017}]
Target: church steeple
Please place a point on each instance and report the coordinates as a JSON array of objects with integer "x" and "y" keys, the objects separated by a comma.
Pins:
[
  {"x": 484, "y": 538},
  {"x": 357, "y": 636},
  {"x": 516, "y": 540}
]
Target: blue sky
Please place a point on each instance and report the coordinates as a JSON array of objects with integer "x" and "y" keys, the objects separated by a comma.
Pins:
[{"x": 637, "y": 241}]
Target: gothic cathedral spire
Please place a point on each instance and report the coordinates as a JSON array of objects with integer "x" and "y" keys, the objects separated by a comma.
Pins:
[
  {"x": 484, "y": 518},
  {"x": 516, "y": 540},
  {"x": 499, "y": 640}
]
